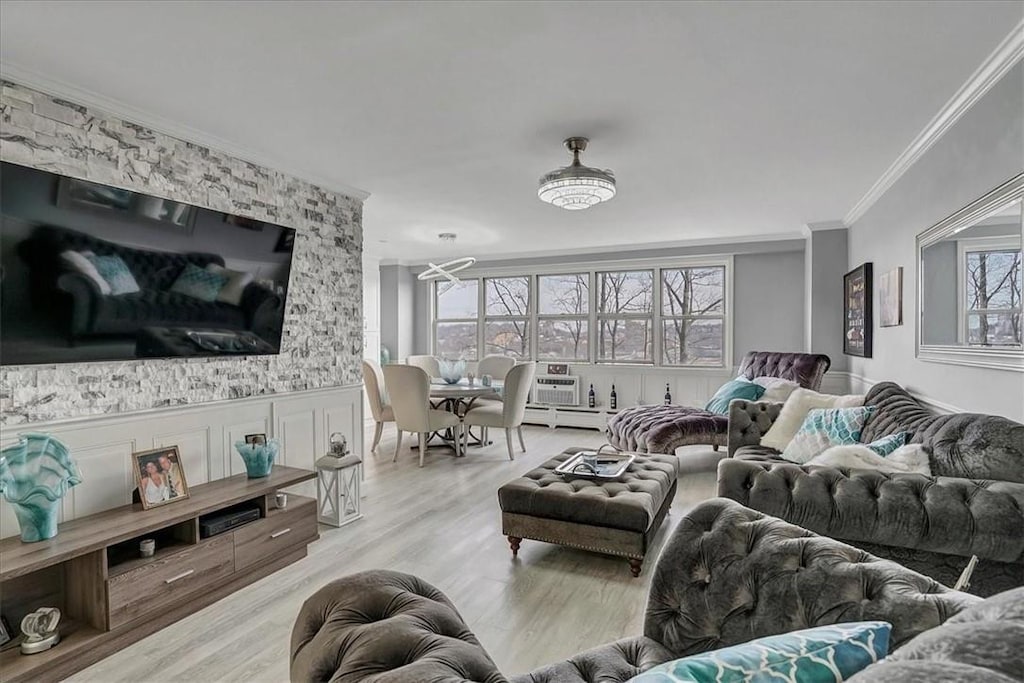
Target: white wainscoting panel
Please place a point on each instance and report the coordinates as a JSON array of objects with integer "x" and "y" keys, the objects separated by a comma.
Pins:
[{"x": 205, "y": 435}]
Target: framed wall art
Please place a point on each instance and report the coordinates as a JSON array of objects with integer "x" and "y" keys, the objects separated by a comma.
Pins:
[
  {"x": 857, "y": 315},
  {"x": 890, "y": 298}
]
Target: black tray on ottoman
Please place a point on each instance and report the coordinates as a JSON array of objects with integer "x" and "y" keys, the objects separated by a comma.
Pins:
[{"x": 612, "y": 517}]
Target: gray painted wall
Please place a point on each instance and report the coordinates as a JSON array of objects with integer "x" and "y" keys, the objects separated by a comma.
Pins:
[
  {"x": 826, "y": 256},
  {"x": 769, "y": 296},
  {"x": 982, "y": 150},
  {"x": 397, "y": 312},
  {"x": 323, "y": 320}
]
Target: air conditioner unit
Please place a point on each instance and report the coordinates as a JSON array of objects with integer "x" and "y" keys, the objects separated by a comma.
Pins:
[{"x": 556, "y": 390}]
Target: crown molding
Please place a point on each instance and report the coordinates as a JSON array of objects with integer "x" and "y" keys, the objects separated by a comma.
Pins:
[
  {"x": 57, "y": 88},
  {"x": 1003, "y": 58},
  {"x": 823, "y": 226}
]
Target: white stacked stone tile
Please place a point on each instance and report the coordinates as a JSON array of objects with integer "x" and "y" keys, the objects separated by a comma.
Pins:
[{"x": 322, "y": 341}]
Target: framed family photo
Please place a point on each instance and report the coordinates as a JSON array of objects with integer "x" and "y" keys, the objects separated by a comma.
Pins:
[
  {"x": 160, "y": 476},
  {"x": 256, "y": 439},
  {"x": 890, "y": 298}
]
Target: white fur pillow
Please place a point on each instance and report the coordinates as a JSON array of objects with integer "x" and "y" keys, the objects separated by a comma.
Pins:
[
  {"x": 776, "y": 389},
  {"x": 794, "y": 411},
  {"x": 912, "y": 458},
  {"x": 77, "y": 261},
  {"x": 238, "y": 280}
]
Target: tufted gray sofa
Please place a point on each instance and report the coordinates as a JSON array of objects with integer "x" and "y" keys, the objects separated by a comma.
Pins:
[
  {"x": 727, "y": 575},
  {"x": 973, "y": 505}
]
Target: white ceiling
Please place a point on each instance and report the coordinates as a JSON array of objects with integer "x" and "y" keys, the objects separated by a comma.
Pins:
[{"x": 720, "y": 120}]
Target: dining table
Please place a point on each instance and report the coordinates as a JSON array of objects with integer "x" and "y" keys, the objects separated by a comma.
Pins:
[{"x": 458, "y": 398}]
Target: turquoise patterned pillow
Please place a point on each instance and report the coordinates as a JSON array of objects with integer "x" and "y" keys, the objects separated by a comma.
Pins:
[
  {"x": 887, "y": 444},
  {"x": 115, "y": 271},
  {"x": 740, "y": 387},
  {"x": 826, "y": 654},
  {"x": 824, "y": 428},
  {"x": 199, "y": 284}
]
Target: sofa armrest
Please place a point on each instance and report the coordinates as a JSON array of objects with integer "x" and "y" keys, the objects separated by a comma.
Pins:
[
  {"x": 944, "y": 515},
  {"x": 730, "y": 574},
  {"x": 257, "y": 302},
  {"x": 748, "y": 422},
  {"x": 85, "y": 296},
  {"x": 385, "y": 626}
]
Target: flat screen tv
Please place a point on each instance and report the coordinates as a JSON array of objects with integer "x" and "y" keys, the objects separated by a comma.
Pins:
[{"x": 92, "y": 272}]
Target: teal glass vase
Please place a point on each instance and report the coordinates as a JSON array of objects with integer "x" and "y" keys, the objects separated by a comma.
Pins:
[
  {"x": 35, "y": 473},
  {"x": 258, "y": 458}
]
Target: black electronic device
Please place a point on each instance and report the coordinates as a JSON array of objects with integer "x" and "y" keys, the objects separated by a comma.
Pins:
[{"x": 221, "y": 522}]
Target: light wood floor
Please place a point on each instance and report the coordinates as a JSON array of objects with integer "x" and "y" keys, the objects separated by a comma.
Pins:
[{"x": 442, "y": 523}]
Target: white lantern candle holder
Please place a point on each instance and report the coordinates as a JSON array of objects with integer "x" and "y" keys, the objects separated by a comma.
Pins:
[{"x": 337, "y": 489}]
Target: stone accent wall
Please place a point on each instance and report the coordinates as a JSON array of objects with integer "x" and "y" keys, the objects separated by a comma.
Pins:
[{"x": 322, "y": 342}]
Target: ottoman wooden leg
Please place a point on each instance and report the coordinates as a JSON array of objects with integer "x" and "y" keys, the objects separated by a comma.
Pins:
[
  {"x": 634, "y": 566},
  {"x": 514, "y": 542}
]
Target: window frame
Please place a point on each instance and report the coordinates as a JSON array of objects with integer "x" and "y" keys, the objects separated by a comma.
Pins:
[
  {"x": 723, "y": 315},
  {"x": 593, "y": 270},
  {"x": 434, "y": 320},
  {"x": 486, "y": 317},
  {"x": 567, "y": 317},
  {"x": 964, "y": 248}
]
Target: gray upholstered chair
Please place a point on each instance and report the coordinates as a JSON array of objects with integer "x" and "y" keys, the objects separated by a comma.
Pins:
[
  {"x": 509, "y": 413},
  {"x": 373, "y": 381},
  {"x": 409, "y": 389},
  {"x": 429, "y": 365},
  {"x": 972, "y": 505},
  {"x": 727, "y": 575},
  {"x": 664, "y": 428}
]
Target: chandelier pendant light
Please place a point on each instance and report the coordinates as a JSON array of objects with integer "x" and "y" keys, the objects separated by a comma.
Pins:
[
  {"x": 447, "y": 270},
  {"x": 577, "y": 186}
]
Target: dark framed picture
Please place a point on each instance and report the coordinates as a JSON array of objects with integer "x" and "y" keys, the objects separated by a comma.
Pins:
[
  {"x": 160, "y": 476},
  {"x": 256, "y": 439},
  {"x": 890, "y": 298},
  {"x": 558, "y": 369},
  {"x": 5, "y": 631},
  {"x": 857, "y": 315}
]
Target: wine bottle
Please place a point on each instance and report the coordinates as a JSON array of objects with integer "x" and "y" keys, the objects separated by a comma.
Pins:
[
  {"x": 614, "y": 402},
  {"x": 668, "y": 395},
  {"x": 591, "y": 397}
]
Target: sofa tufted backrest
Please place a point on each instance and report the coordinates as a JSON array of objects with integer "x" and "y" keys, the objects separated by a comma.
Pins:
[
  {"x": 730, "y": 574},
  {"x": 982, "y": 644},
  {"x": 151, "y": 269},
  {"x": 806, "y": 369},
  {"x": 966, "y": 445},
  {"x": 385, "y": 626}
]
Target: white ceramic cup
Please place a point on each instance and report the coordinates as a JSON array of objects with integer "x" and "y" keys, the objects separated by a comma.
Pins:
[{"x": 147, "y": 547}]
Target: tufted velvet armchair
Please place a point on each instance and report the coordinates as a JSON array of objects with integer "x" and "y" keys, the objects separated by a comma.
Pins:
[
  {"x": 727, "y": 575},
  {"x": 973, "y": 505}
]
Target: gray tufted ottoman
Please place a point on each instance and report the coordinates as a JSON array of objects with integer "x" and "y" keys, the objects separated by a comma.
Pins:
[{"x": 615, "y": 518}]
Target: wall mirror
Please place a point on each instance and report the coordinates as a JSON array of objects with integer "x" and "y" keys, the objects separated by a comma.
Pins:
[{"x": 969, "y": 283}]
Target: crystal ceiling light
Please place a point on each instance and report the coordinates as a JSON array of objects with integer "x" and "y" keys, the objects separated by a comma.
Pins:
[{"x": 577, "y": 186}]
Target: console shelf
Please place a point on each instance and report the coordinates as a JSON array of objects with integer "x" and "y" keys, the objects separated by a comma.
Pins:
[{"x": 92, "y": 572}]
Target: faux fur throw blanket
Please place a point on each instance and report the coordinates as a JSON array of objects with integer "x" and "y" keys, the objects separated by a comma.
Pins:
[{"x": 912, "y": 458}]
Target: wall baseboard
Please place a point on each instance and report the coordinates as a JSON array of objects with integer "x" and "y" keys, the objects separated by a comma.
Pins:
[{"x": 205, "y": 435}]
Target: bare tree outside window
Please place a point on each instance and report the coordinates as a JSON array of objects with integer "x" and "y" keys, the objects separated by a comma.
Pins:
[
  {"x": 625, "y": 309},
  {"x": 993, "y": 296},
  {"x": 456, "y": 307},
  {"x": 693, "y": 316},
  {"x": 562, "y": 325},
  {"x": 506, "y": 311}
]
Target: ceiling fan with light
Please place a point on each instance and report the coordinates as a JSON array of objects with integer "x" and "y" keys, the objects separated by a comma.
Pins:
[{"x": 576, "y": 186}]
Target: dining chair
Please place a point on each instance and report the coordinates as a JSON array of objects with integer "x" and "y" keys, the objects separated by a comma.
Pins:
[
  {"x": 508, "y": 414},
  {"x": 409, "y": 389},
  {"x": 497, "y": 367},
  {"x": 373, "y": 380},
  {"x": 428, "y": 364}
]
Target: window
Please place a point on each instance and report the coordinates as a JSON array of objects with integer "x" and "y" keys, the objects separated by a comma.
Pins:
[
  {"x": 992, "y": 295},
  {"x": 693, "y": 316},
  {"x": 456, "y": 307},
  {"x": 624, "y": 316},
  {"x": 507, "y": 316},
  {"x": 563, "y": 306}
]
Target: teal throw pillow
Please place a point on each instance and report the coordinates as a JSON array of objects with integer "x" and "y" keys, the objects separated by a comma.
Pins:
[
  {"x": 734, "y": 388},
  {"x": 199, "y": 284},
  {"x": 826, "y": 654},
  {"x": 115, "y": 271},
  {"x": 888, "y": 444},
  {"x": 824, "y": 428}
]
